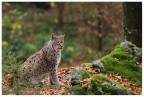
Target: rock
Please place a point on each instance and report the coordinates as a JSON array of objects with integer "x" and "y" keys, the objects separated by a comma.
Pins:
[
  {"x": 127, "y": 45},
  {"x": 97, "y": 65},
  {"x": 77, "y": 76},
  {"x": 135, "y": 52},
  {"x": 123, "y": 92},
  {"x": 76, "y": 79},
  {"x": 138, "y": 56},
  {"x": 111, "y": 82}
]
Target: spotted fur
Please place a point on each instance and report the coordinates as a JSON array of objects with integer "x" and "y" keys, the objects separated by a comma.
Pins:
[{"x": 45, "y": 61}]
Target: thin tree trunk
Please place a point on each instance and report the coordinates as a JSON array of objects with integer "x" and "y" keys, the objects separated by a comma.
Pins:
[
  {"x": 99, "y": 28},
  {"x": 60, "y": 6},
  {"x": 99, "y": 36}
]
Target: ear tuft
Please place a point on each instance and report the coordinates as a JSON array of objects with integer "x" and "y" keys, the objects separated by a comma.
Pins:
[{"x": 62, "y": 36}]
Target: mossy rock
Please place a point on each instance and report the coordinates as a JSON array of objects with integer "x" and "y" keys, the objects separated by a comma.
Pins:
[
  {"x": 78, "y": 75},
  {"x": 97, "y": 65},
  {"x": 136, "y": 52},
  {"x": 120, "y": 61},
  {"x": 101, "y": 85}
]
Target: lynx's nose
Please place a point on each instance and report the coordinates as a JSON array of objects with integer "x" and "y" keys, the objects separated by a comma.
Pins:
[{"x": 61, "y": 47}]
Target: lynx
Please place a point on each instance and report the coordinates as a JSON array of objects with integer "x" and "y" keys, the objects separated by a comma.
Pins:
[{"x": 45, "y": 60}]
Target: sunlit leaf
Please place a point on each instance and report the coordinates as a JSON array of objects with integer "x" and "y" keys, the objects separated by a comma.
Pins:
[
  {"x": 4, "y": 43},
  {"x": 52, "y": 4}
]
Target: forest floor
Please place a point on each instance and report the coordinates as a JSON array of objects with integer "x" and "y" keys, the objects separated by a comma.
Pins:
[
  {"x": 65, "y": 71},
  {"x": 63, "y": 76}
]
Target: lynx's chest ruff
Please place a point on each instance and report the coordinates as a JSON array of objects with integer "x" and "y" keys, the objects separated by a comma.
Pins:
[{"x": 59, "y": 58}]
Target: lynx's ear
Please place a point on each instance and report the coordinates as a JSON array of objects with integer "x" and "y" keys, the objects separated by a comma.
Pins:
[
  {"x": 63, "y": 36},
  {"x": 53, "y": 36}
]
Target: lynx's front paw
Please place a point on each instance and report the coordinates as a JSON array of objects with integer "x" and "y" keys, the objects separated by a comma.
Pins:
[
  {"x": 57, "y": 83},
  {"x": 61, "y": 84}
]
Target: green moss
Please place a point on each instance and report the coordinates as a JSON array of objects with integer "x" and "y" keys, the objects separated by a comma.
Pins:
[
  {"x": 85, "y": 75},
  {"x": 95, "y": 88},
  {"x": 98, "y": 89},
  {"x": 119, "y": 61},
  {"x": 98, "y": 78},
  {"x": 76, "y": 90}
]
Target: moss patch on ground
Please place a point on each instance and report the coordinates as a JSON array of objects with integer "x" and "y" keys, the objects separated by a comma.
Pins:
[
  {"x": 120, "y": 61},
  {"x": 100, "y": 85},
  {"x": 85, "y": 75},
  {"x": 76, "y": 90}
]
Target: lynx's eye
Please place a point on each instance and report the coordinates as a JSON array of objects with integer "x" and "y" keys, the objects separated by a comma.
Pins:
[{"x": 58, "y": 42}]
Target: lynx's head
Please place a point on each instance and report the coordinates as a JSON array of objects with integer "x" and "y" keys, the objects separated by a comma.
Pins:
[{"x": 57, "y": 42}]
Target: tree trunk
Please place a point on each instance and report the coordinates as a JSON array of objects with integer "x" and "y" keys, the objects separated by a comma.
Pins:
[
  {"x": 133, "y": 22},
  {"x": 99, "y": 28},
  {"x": 60, "y": 6}
]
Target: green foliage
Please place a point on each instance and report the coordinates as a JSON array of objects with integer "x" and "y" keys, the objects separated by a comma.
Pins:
[
  {"x": 119, "y": 61},
  {"x": 31, "y": 27},
  {"x": 11, "y": 73},
  {"x": 10, "y": 64},
  {"x": 69, "y": 49}
]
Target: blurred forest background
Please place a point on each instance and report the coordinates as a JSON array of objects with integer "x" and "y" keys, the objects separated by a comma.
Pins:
[{"x": 92, "y": 29}]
